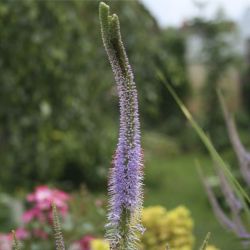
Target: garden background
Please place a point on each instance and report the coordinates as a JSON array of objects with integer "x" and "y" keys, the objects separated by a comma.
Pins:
[{"x": 59, "y": 108}]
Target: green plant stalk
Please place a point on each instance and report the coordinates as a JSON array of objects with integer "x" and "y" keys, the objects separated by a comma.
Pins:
[
  {"x": 111, "y": 35},
  {"x": 205, "y": 242}
]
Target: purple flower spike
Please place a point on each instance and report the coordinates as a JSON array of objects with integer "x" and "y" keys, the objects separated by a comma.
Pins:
[{"x": 125, "y": 182}]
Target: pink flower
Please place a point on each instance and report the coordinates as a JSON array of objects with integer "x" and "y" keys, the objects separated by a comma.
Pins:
[
  {"x": 31, "y": 214},
  {"x": 85, "y": 242},
  {"x": 22, "y": 234},
  {"x": 5, "y": 241},
  {"x": 42, "y": 198},
  {"x": 82, "y": 244},
  {"x": 39, "y": 233}
]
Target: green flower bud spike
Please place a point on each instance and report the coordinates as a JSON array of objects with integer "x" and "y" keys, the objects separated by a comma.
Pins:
[{"x": 59, "y": 242}]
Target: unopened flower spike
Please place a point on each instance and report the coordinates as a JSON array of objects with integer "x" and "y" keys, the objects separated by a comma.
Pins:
[
  {"x": 16, "y": 245},
  {"x": 58, "y": 237},
  {"x": 125, "y": 182}
]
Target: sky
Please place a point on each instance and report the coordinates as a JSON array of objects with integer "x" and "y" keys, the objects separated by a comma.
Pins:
[{"x": 174, "y": 12}]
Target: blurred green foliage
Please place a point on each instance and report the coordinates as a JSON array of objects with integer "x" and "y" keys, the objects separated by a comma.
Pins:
[
  {"x": 50, "y": 123},
  {"x": 218, "y": 57},
  {"x": 57, "y": 98}
]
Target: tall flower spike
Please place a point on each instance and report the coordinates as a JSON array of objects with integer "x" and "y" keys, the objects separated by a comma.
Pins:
[
  {"x": 16, "y": 245},
  {"x": 228, "y": 192},
  {"x": 233, "y": 223},
  {"x": 125, "y": 183},
  {"x": 224, "y": 220},
  {"x": 242, "y": 154},
  {"x": 57, "y": 229}
]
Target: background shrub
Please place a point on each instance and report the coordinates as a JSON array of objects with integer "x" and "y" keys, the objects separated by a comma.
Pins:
[{"x": 55, "y": 88}]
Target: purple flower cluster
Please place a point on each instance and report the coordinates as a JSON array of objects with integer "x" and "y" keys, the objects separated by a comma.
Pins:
[
  {"x": 126, "y": 174},
  {"x": 125, "y": 182}
]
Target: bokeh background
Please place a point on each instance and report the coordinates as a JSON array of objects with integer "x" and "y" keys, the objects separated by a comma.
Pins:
[{"x": 59, "y": 107}]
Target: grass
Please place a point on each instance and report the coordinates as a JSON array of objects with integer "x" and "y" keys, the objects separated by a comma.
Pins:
[{"x": 172, "y": 180}]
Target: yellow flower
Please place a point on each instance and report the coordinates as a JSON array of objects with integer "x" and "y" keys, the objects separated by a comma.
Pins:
[
  {"x": 162, "y": 226},
  {"x": 99, "y": 244},
  {"x": 211, "y": 247},
  {"x": 152, "y": 215}
]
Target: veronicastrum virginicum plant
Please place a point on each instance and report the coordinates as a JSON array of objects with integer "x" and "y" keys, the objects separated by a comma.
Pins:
[{"x": 125, "y": 183}]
